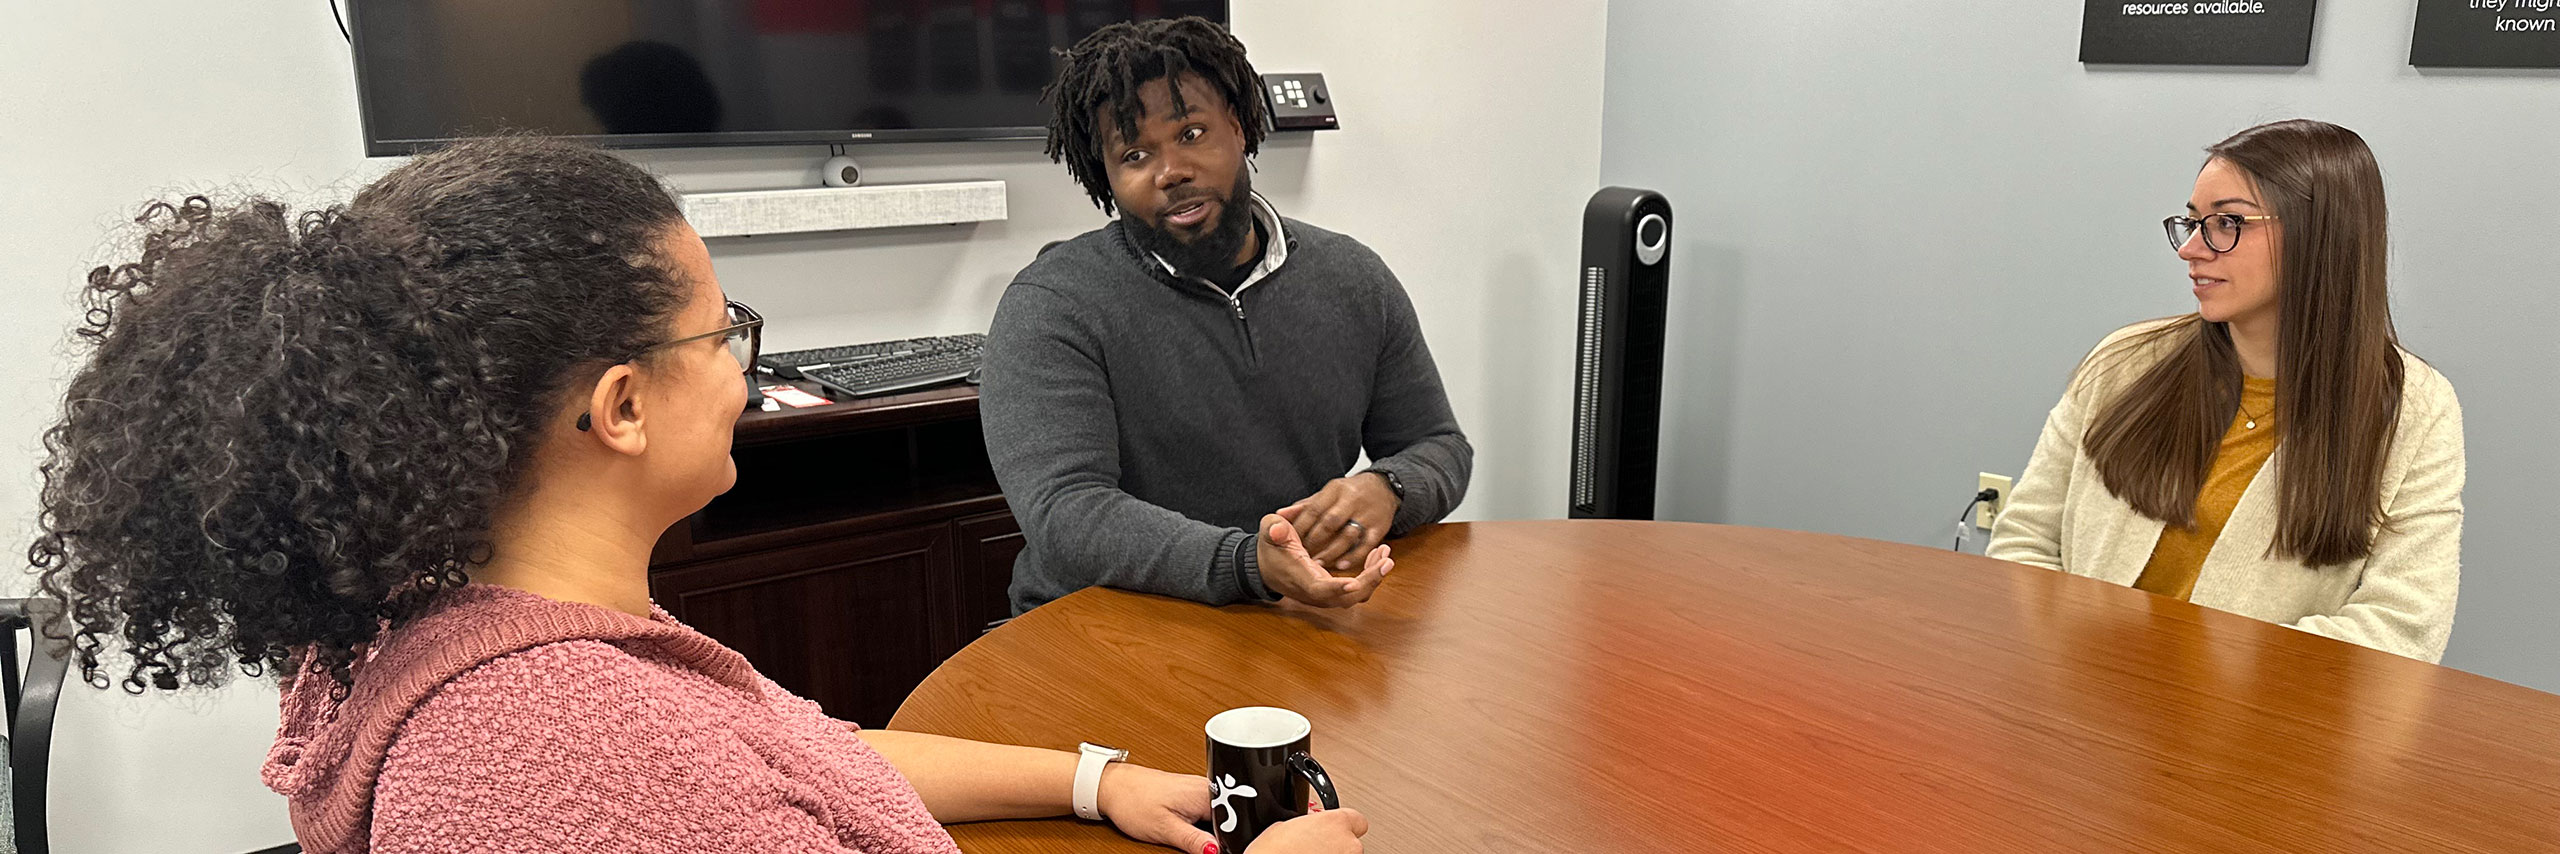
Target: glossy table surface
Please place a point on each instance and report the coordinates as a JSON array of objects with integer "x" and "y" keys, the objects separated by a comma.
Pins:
[{"x": 1638, "y": 686}]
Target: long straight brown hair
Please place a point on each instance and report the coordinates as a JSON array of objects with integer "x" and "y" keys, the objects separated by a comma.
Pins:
[{"x": 2338, "y": 368}]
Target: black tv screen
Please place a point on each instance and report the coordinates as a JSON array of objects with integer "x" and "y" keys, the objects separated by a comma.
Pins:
[{"x": 652, "y": 73}]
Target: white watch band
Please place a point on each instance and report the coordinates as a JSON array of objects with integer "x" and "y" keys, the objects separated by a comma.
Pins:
[{"x": 1089, "y": 761}]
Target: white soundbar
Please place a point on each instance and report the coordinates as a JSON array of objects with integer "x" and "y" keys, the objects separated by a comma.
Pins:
[{"x": 749, "y": 212}]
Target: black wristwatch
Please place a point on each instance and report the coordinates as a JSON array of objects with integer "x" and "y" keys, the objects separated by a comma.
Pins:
[{"x": 1394, "y": 484}]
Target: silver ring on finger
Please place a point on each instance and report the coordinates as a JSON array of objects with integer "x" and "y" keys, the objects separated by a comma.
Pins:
[{"x": 1355, "y": 524}]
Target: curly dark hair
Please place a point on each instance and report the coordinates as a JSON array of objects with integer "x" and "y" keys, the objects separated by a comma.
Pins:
[
  {"x": 1105, "y": 70},
  {"x": 294, "y": 430}
]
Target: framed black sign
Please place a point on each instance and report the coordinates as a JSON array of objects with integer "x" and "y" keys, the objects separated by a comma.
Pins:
[
  {"x": 2197, "y": 32},
  {"x": 2486, "y": 34}
]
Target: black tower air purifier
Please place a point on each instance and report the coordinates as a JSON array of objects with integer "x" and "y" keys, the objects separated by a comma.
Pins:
[{"x": 1617, "y": 379}]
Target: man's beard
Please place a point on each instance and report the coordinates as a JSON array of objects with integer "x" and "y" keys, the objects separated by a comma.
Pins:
[{"x": 1212, "y": 253}]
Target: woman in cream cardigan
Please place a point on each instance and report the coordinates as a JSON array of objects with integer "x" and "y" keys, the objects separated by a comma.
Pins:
[{"x": 2276, "y": 454}]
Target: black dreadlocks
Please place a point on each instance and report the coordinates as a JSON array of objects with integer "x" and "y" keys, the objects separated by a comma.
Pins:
[{"x": 1105, "y": 70}]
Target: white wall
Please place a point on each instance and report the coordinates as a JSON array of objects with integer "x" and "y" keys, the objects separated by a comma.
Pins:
[
  {"x": 105, "y": 105},
  {"x": 1471, "y": 137},
  {"x": 1902, "y": 224}
]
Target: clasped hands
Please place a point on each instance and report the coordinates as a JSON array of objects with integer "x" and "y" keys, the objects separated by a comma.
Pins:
[{"x": 1328, "y": 549}]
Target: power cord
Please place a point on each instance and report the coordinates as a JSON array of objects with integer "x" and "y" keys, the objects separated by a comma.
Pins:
[{"x": 1964, "y": 520}]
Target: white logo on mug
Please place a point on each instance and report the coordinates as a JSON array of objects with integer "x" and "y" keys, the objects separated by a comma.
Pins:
[{"x": 1227, "y": 788}]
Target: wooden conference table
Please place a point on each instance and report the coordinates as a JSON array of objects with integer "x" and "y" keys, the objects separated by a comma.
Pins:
[{"x": 1643, "y": 687}]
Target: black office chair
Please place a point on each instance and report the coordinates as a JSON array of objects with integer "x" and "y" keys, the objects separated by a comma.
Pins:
[{"x": 31, "y": 705}]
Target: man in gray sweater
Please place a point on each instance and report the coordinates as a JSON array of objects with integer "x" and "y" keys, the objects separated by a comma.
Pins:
[{"x": 1171, "y": 400}]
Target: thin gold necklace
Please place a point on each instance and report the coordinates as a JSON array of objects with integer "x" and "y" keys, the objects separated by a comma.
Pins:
[{"x": 2252, "y": 423}]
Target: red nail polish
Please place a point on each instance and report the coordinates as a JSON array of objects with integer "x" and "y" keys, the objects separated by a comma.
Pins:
[{"x": 1212, "y": 849}]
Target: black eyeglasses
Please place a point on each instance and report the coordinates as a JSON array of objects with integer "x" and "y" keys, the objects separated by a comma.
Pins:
[
  {"x": 744, "y": 335},
  {"x": 2221, "y": 231}
]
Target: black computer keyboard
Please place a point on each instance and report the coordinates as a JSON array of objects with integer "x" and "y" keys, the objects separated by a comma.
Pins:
[
  {"x": 865, "y": 370},
  {"x": 882, "y": 376},
  {"x": 790, "y": 363}
]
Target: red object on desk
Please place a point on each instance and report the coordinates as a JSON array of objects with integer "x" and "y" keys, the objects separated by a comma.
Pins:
[{"x": 792, "y": 396}]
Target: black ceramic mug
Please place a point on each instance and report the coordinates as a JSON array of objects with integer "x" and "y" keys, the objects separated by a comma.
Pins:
[{"x": 1260, "y": 773}]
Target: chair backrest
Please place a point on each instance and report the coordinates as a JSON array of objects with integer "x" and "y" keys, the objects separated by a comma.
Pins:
[{"x": 31, "y": 705}]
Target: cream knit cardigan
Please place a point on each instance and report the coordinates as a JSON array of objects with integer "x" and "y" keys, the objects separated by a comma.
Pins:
[{"x": 2399, "y": 599}]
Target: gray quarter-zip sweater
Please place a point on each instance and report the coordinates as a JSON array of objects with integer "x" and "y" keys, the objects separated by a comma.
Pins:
[{"x": 1141, "y": 424}]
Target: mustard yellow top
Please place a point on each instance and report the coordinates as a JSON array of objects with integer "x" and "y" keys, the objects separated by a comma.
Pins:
[{"x": 2179, "y": 556}]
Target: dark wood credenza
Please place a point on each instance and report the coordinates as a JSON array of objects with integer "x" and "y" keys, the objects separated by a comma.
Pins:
[{"x": 865, "y": 542}]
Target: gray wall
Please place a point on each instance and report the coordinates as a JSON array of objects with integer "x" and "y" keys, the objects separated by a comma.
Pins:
[
  {"x": 1901, "y": 224},
  {"x": 103, "y": 105}
]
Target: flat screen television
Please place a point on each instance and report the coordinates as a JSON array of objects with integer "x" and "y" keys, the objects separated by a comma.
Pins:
[{"x": 662, "y": 73}]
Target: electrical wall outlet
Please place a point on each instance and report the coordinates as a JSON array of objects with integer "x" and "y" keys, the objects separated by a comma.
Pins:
[{"x": 1990, "y": 510}]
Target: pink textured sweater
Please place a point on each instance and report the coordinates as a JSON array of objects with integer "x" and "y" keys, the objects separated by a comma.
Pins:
[{"x": 504, "y": 721}]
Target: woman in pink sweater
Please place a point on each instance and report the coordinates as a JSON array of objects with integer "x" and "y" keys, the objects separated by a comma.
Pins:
[{"x": 410, "y": 454}]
